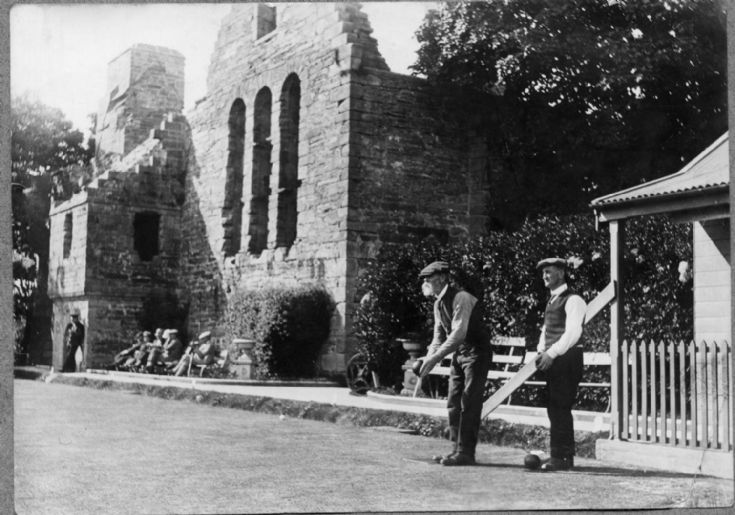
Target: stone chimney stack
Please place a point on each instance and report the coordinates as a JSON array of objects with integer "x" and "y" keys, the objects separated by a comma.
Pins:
[{"x": 144, "y": 84}]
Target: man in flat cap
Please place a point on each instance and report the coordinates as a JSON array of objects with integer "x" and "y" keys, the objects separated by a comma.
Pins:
[
  {"x": 458, "y": 329},
  {"x": 200, "y": 352},
  {"x": 560, "y": 358},
  {"x": 73, "y": 340}
]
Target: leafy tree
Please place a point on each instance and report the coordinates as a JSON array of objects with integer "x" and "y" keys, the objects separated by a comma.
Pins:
[
  {"x": 583, "y": 97},
  {"x": 43, "y": 146}
]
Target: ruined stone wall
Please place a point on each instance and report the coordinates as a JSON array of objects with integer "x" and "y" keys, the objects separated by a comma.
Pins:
[
  {"x": 67, "y": 269},
  {"x": 417, "y": 169},
  {"x": 111, "y": 272},
  {"x": 67, "y": 278},
  {"x": 380, "y": 157},
  {"x": 318, "y": 43},
  {"x": 144, "y": 83}
]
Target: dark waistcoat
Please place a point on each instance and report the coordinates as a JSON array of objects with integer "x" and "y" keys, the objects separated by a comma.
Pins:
[
  {"x": 555, "y": 318},
  {"x": 477, "y": 335}
]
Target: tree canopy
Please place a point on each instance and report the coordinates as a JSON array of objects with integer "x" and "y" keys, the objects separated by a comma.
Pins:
[
  {"x": 43, "y": 142},
  {"x": 584, "y": 97}
]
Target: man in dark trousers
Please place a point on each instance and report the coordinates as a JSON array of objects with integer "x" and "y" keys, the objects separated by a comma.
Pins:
[
  {"x": 73, "y": 340},
  {"x": 458, "y": 329},
  {"x": 561, "y": 359}
]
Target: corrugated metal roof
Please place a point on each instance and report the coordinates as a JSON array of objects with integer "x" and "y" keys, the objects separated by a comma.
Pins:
[{"x": 708, "y": 170}]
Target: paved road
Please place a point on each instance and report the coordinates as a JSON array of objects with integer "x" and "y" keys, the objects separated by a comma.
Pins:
[{"x": 80, "y": 450}]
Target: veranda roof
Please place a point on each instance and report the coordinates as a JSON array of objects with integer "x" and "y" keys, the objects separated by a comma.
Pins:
[{"x": 699, "y": 191}]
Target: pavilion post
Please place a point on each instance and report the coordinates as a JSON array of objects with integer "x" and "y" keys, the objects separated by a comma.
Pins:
[{"x": 617, "y": 242}]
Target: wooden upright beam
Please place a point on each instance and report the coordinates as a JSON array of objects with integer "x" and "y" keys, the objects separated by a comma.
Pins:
[{"x": 617, "y": 243}]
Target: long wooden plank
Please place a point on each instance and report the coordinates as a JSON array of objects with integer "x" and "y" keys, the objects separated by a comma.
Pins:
[
  {"x": 605, "y": 297},
  {"x": 508, "y": 388},
  {"x": 593, "y": 308}
]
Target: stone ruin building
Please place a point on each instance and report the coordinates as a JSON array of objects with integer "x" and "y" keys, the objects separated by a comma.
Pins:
[{"x": 306, "y": 155}]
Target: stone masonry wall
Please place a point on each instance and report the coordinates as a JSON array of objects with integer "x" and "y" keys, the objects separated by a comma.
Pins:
[
  {"x": 105, "y": 274},
  {"x": 319, "y": 43},
  {"x": 144, "y": 82},
  {"x": 417, "y": 169},
  {"x": 66, "y": 279}
]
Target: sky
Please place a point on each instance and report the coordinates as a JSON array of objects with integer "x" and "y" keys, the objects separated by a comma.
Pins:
[{"x": 59, "y": 53}]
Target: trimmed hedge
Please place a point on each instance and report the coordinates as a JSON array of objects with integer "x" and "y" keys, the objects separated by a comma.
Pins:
[{"x": 288, "y": 324}]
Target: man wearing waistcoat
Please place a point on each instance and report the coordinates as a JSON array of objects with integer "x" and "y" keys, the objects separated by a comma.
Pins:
[
  {"x": 458, "y": 329},
  {"x": 560, "y": 358}
]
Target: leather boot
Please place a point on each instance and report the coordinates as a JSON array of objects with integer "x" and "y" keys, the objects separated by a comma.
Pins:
[
  {"x": 556, "y": 464},
  {"x": 458, "y": 459}
]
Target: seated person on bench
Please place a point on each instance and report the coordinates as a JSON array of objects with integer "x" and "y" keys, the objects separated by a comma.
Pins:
[
  {"x": 141, "y": 355},
  {"x": 167, "y": 354},
  {"x": 201, "y": 352},
  {"x": 124, "y": 355}
]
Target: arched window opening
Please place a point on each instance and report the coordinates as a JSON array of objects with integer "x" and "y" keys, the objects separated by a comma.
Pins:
[
  {"x": 258, "y": 227},
  {"x": 145, "y": 234},
  {"x": 288, "y": 181},
  {"x": 232, "y": 207}
]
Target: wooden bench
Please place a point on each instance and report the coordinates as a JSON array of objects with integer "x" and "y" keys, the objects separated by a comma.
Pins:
[
  {"x": 221, "y": 362},
  {"x": 509, "y": 354}
]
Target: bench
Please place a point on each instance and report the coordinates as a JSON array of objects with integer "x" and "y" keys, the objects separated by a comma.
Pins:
[
  {"x": 509, "y": 354},
  {"x": 220, "y": 363}
]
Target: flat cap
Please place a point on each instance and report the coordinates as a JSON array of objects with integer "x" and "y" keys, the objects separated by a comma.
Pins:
[
  {"x": 205, "y": 335},
  {"x": 553, "y": 261},
  {"x": 437, "y": 267},
  {"x": 173, "y": 331}
]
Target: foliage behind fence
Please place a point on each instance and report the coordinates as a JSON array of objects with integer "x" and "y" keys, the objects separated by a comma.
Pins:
[{"x": 500, "y": 269}]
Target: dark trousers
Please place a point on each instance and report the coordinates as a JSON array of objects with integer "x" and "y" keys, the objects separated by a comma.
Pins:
[
  {"x": 70, "y": 363},
  {"x": 467, "y": 377},
  {"x": 562, "y": 381}
]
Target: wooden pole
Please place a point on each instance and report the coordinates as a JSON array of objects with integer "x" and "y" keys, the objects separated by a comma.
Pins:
[{"x": 617, "y": 243}]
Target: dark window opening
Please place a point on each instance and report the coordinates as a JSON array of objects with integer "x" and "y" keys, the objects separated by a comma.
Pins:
[
  {"x": 232, "y": 207},
  {"x": 258, "y": 228},
  {"x": 288, "y": 180},
  {"x": 145, "y": 234},
  {"x": 265, "y": 20},
  {"x": 68, "y": 230}
]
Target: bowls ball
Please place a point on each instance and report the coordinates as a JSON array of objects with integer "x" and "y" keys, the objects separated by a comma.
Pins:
[{"x": 532, "y": 461}]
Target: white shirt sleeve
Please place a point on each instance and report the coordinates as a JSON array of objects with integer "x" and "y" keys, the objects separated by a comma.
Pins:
[
  {"x": 575, "y": 309},
  {"x": 541, "y": 347}
]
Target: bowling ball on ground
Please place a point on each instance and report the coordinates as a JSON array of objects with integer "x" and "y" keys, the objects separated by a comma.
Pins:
[{"x": 532, "y": 461}]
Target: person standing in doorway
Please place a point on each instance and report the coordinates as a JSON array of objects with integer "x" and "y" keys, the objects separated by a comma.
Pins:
[
  {"x": 560, "y": 358},
  {"x": 458, "y": 329},
  {"x": 73, "y": 340}
]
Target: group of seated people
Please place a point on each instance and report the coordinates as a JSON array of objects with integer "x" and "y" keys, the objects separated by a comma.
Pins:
[{"x": 164, "y": 352}]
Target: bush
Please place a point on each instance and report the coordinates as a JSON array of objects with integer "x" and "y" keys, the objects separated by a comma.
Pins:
[
  {"x": 500, "y": 269},
  {"x": 289, "y": 326}
]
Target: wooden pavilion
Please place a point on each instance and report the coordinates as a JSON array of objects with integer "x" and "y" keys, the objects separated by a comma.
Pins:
[{"x": 672, "y": 402}]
